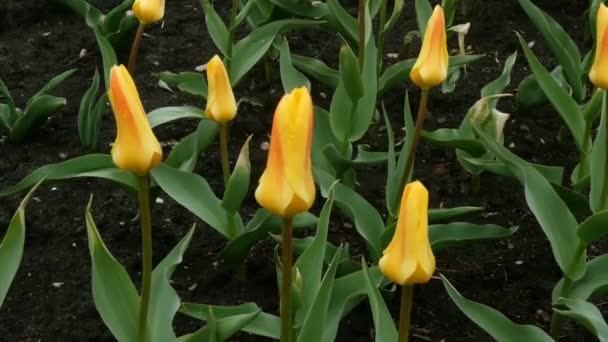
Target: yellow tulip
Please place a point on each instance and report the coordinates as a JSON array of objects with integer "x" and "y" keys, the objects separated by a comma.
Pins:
[
  {"x": 286, "y": 187},
  {"x": 599, "y": 71},
  {"x": 431, "y": 67},
  {"x": 408, "y": 259},
  {"x": 221, "y": 106},
  {"x": 136, "y": 149},
  {"x": 149, "y": 11}
]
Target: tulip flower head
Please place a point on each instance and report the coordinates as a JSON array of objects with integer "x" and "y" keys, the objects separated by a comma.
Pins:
[
  {"x": 431, "y": 67},
  {"x": 286, "y": 187},
  {"x": 149, "y": 11},
  {"x": 221, "y": 106},
  {"x": 599, "y": 71},
  {"x": 136, "y": 149},
  {"x": 408, "y": 259}
]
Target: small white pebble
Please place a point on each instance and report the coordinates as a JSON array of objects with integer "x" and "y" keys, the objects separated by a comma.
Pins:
[
  {"x": 37, "y": 199},
  {"x": 392, "y": 55},
  {"x": 264, "y": 146},
  {"x": 121, "y": 223},
  {"x": 157, "y": 63},
  {"x": 316, "y": 3},
  {"x": 192, "y": 287},
  {"x": 63, "y": 155},
  {"x": 214, "y": 264},
  {"x": 347, "y": 225},
  {"x": 83, "y": 52},
  {"x": 46, "y": 34},
  {"x": 54, "y": 188},
  {"x": 160, "y": 200},
  {"x": 57, "y": 284},
  {"x": 201, "y": 68},
  {"x": 323, "y": 95},
  {"x": 512, "y": 145},
  {"x": 73, "y": 244},
  {"x": 542, "y": 141},
  {"x": 519, "y": 262}
]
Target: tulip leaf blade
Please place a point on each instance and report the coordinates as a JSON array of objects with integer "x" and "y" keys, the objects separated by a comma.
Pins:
[
  {"x": 316, "y": 69},
  {"x": 492, "y": 321},
  {"x": 290, "y": 76},
  {"x": 442, "y": 236},
  {"x": 37, "y": 113},
  {"x": 186, "y": 152},
  {"x": 90, "y": 165},
  {"x": 383, "y": 322},
  {"x": 593, "y": 284},
  {"x": 598, "y": 163},
  {"x": 189, "y": 82},
  {"x": 12, "y": 244},
  {"x": 424, "y": 10},
  {"x": 238, "y": 183},
  {"x": 164, "y": 115},
  {"x": 587, "y": 314},
  {"x": 594, "y": 228},
  {"x": 443, "y": 214},
  {"x": 451, "y": 137},
  {"x": 220, "y": 329},
  {"x": 114, "y": 293},
  {"x": 216, "y": 27}
]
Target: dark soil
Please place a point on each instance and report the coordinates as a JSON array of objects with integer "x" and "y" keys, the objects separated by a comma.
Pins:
[{"x": 50, "y": 299}]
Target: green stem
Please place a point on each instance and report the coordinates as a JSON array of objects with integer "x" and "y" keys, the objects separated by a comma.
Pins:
[
  {"x": 146, "y": 255},
  {"x": 231, "y": 29},
  {"x": 407, "y": 292},
  {"x": 224, "y": 152},
  {"x": 286, "y": 265},
  {"x": 604, "y": 120},
  {"x": 135, "y": 48},
  {"x": 361, "y": 33},
  {"x": 383, "y": 10},
  {"x": 424, "y": 99}
]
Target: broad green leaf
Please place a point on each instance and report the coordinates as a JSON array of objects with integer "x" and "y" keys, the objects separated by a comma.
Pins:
[
  {"x": 592, "y": 109},
  {"x": 238, "y": 183},
  {"x": 310, "y": 263},
  {"x": 498, "y": 85},
  {"x": 185, "y": 153},
  {"x": 37, "y": 114},
  {"x": 397, "y": 9},
  {"x": 317, "y": 69},
  {"x": 447, "y": 235},
  {"x": 423, "y": 14},
  {"x": 257, "y": 229},
  {"x": 90, "y": 113},
  {"x": 592, "y": 285},
  {"x": 91, "y": 165},
  {"x": 303, "y": 9},
  {"x": 451, "y": 137},
  {"x": 563, "y": 103},
  {"x": 587, "y": 314},
  {"x": 262, "y": 325},
  {"x": 50, "y": 87},
  {"x": 189, "y": 82},
  {"x": 350, "y": 73},
  {"x": 383, "y": 322},
  {"x": 111, "y": 22},
  {"x": 443, "y": 214},
  {"x": 216, "y": 27},
  {"x": 9, "y": 111},
  {"x": 163, "y": 115},
  {"x": 492, "y": 321},
  {"x": 164, "y": 301},
  {"x": 108, "y": 56},
  {"x": 248, "y": 51},
  {"x": 290, "y": 76},
  {"x": 114, "y": 294},
  {"x": 243, "y": 13},
  {"x": 449, "y": 7},
  {"x": 594, "y": 228},
  {"x": 554, "y": 174},
  {"x": 11, "y": 245},
  {"x": 399, "y": 72},
  {"x": 123, "y": 36},
  {"x": 221, "y": 329},
  {"x": 322, "y": 137},
  {"x": 342, "y": 21},
  {"x": 551, "y": 212},
  {"x": 560, "y": 43},
  {"x": 598, "y": 162},
  {"x": 314, "y": 323},
  {"x": 194, "y": 193},
  {"x": 80, "y": 7}
]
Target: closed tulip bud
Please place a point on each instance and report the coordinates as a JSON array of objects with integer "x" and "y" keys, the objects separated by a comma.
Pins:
[
  {"x": 599, "y": 71},
  {"x": 408, "y": 259},
  {"x": 149, "y": 11},
  {"x": 431, "y": 67},
  {"x": 286, "y": 187},
  {"x": 221, "y": 106},
  {"x": 136, "y": 149}
]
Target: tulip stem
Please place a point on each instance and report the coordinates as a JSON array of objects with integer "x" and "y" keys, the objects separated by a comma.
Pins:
[
  {"x": 407, "y": 292},
  {"x": 231, "y": 29},
  {"x": 381, "y": 32},
  {"x": 424, "y": 98},
  {"x": 361, "y": 33},
  {"x": 135, "y": 48},
  {"x": 146, "y": 255},
  {"x": 286, "y": 265},
  {"x": 224, "y": 152}
]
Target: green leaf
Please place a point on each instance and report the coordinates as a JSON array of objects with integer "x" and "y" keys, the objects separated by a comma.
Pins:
[
  {"x": 80, "y": 7},
  {"x": 587, "y": 314},
  {"x": 238, "y": 184},
  {"x": 317, "y": 69},
  {"x": 50, "y": 87},
  {"x": 87, "y": 127},
  {"x": 310, "y": 262},
  {"x": 551, "y": 212},
  {"x": 498, "y": 85},
  {"x": 303, "y": 9},
  {"x": 36, "y": 115},
  {"x": 342, "y": 21},
  {"x": 350, "y": 73},
  {"x": 452, "y": 137},
  {"x": 290, "y": 76},
  {"x": 563, "y": 103},
  {"x": 189, "y": 82},
  {"x": 216, "y": 27},
  {"x": 592, "y": 285},
  {"x": 263, "y": 325},
  {"x": 443, "y": 236},
  {"x": 314, "y": 323},
  {"x": 383, "y": 322},
  {"x": 108, "y": 56},
  {"x": 185, "y": 153},
  {"x": 194, "y": 193},
  {"x": 258, "y": 228},
  {"x": 248, "y": 51},
  {"x": 91, "y": 165},
  {"x": 598, "y": 162},
  {"x": 114, "y": 294},
  {"x": 594, "y": 228},
  {"x": 221, "y": 329},
  {"x": 8, "y": 111},
  {"x": 560, "y": 43},
  {"x": 111, "y": 21},
  {"x": 554, "y": 174},
  {"x": 493, "y": 322},
  {"x": 164, "y": 301},
  {"x": 424, "y": 10},
  {"x": 163, "y": 115},
  {"x": 11, "y": 245},
  {"x": 449, "y": 6},
  {"x": 443, "y": 214}
]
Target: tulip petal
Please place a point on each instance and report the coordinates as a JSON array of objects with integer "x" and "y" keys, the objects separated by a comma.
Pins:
[
  {"x": 431, "y": 67},
  {"x": 149, "y": 11},
  {"x": 221, "y": 105}
]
